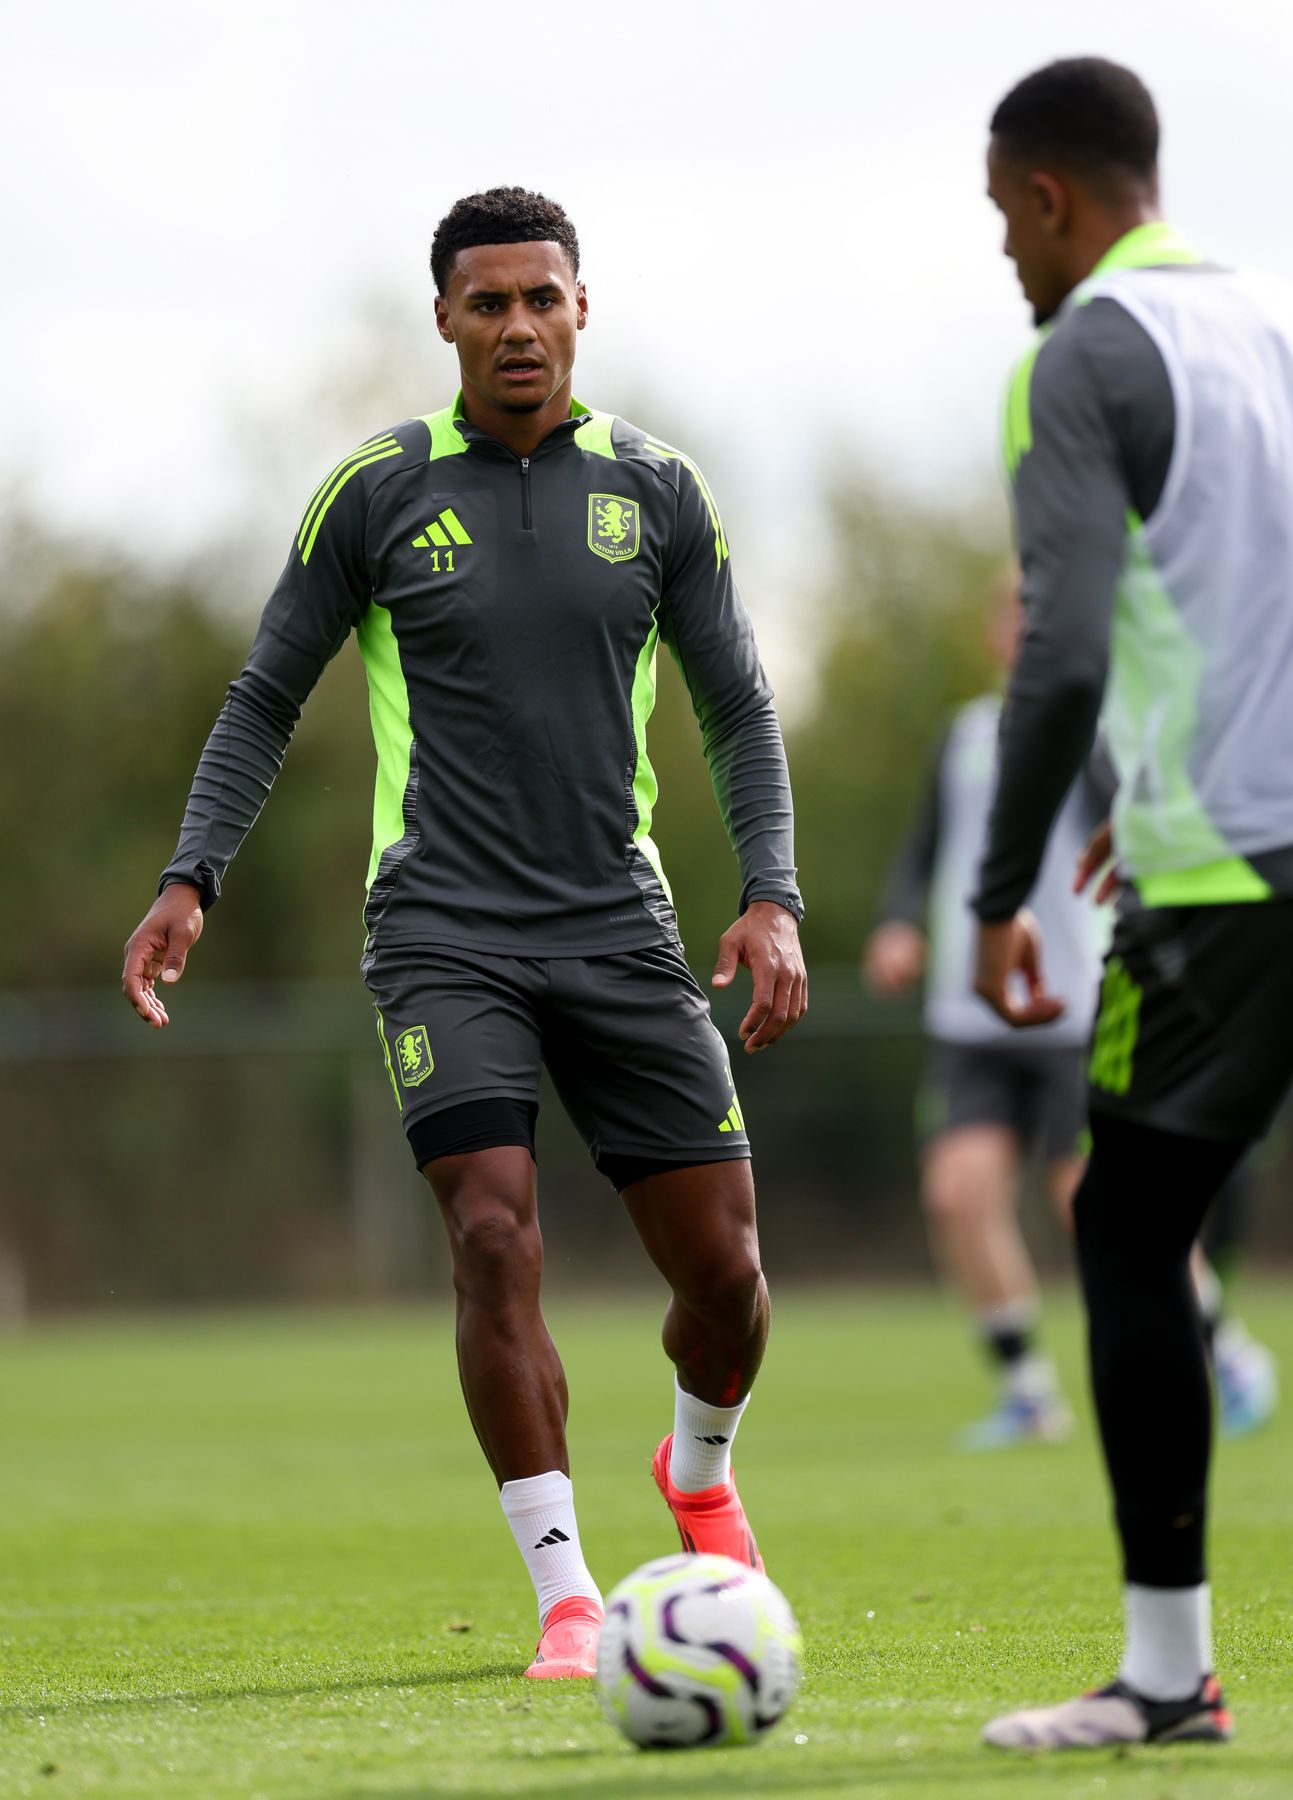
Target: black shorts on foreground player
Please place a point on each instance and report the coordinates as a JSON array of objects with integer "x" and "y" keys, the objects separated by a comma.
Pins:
[
  {"x": 510, "y": 565},
  {"x": 1149, "y": 440}
]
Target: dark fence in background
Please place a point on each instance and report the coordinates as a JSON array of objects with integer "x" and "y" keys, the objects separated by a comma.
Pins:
[{"x": 253, "y": 1152}]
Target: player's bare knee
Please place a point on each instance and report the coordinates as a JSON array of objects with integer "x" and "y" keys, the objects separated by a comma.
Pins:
[
  {"x": 497, "y": 1253},
  {"x": 949, "y": 1199},
  {"x": 728, "y": 1295}
]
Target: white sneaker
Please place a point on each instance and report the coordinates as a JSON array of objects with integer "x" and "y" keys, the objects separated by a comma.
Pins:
[
  {"x": 1248, "y": 1389},
  {"x": 1115, "y": 1715},
  {"x": 1019, "y": 1419}
]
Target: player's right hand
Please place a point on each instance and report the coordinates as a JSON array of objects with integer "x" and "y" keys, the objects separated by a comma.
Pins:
[
  {"x": 1008, "y": 957},
  {"x": 893, "y": 959},
  {"x": 160, "y": 945}
]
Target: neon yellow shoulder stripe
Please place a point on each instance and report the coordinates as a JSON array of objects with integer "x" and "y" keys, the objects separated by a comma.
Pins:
[
  {"x": 721, "y": 551},
  {"x": 368, "y": 444},
  {"x": 330, "y": 486},
  {"x": 378, "y": 453}
]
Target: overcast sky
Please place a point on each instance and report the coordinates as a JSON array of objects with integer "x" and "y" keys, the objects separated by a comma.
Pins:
[{"x": 781, "y": 208}]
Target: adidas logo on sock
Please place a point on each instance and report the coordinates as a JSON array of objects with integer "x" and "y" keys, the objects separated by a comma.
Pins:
[
  {"x": 716, "y": 1439},
  {"x": 555, "y": 1536}
]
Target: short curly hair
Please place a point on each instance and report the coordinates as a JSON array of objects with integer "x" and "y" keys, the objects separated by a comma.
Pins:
[
  {"x": 501, "y": 215},
  {"x": 1089, "y": 116}
]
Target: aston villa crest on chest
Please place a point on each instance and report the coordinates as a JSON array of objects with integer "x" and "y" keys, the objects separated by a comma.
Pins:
[{"x": 614, "y": 527}]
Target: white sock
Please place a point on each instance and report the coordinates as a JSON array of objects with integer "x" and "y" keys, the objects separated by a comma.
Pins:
[
  {"x": 1031, "y": 1378},
  {"x": 1169, "y": 1640},
  {"x": 541, "y": 1511},
  {"x": 1020, "y": 1313},
  {"x": 1209, "y": 1292},
  {"x": 701, "y": 1456}
]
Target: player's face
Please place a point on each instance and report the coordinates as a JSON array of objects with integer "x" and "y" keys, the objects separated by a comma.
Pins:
[
  {"x": 1034, "y": 207},
  {"x": 512, "y": 311}
]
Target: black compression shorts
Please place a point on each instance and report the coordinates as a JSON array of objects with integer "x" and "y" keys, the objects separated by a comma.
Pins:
[{"x": 627, "y": 1039}]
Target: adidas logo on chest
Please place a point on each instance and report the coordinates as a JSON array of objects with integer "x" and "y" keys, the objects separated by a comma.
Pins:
[{"x": 443, "y": 538}]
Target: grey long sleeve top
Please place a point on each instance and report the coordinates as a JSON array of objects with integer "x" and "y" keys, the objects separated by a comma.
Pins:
[
  {"x": 508, "y": 612},
  {"x": 1102, "y": 423}
]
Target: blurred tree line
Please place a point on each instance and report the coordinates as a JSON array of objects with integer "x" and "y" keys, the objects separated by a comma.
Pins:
[{"x": 111, "y": 673}]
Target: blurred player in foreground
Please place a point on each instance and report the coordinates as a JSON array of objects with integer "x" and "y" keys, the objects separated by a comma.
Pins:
[
  {"x": 1149, "y": 437},
  {"x": 510, "y": 564},
  {"x": 989, "y": 1098}
]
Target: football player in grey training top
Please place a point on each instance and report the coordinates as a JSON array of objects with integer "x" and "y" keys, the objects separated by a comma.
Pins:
[
  {"x": 990, "y": 1098},
  {"x": 510, "y": 565},
  {"x": 1149, "y": 435}
]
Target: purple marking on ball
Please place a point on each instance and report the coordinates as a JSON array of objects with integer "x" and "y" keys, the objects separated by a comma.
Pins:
[
  {"x": 739, "y": 1661},
  {"x": 645, "y": 1679},
  {"x": 728, "y": 1652},
  {"x": 710, "y": 1709}
]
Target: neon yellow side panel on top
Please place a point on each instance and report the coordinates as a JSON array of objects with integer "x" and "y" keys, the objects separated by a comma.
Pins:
[
  {"x": 645, "y": 786},
  {"x": 388, "y": 709},
  {"x": 1175, "y": 853},
  {"x": 388, "y": 694}
]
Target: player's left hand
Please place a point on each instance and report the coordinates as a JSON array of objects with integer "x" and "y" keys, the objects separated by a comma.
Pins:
[
  {"x": 1096, "y": 855},
  {"x": 766, "y": 939},
  {"x": 1010, "y": 948}
]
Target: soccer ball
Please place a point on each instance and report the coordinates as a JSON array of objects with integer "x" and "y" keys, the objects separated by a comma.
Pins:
[{"x": 697, "y": 1650}]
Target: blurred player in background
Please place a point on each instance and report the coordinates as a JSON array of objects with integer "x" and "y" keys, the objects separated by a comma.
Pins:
[
  {"x": 990, "y": 1099},
  {"x": 510, "y": 564},
  {"x": 1246, "y": 1371},
  {"x": 1149, "y": 439}
]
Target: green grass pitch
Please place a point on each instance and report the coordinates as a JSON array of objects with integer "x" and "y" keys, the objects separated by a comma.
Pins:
[{"x": 260, "y": 1556}]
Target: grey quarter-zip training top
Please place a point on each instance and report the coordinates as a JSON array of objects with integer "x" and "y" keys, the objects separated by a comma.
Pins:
[{"x": 508, "y": 610}]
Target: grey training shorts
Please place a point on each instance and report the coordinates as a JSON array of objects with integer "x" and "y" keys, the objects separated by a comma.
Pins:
[
  {"x": 636, "y": 1060},
  {"x": 1036, "y": 1091}
]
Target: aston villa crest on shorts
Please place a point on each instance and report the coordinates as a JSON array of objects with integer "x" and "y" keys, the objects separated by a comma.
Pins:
[
  {"x": 413, "y": 1056},
  {"x": 614, "y": 527}
]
